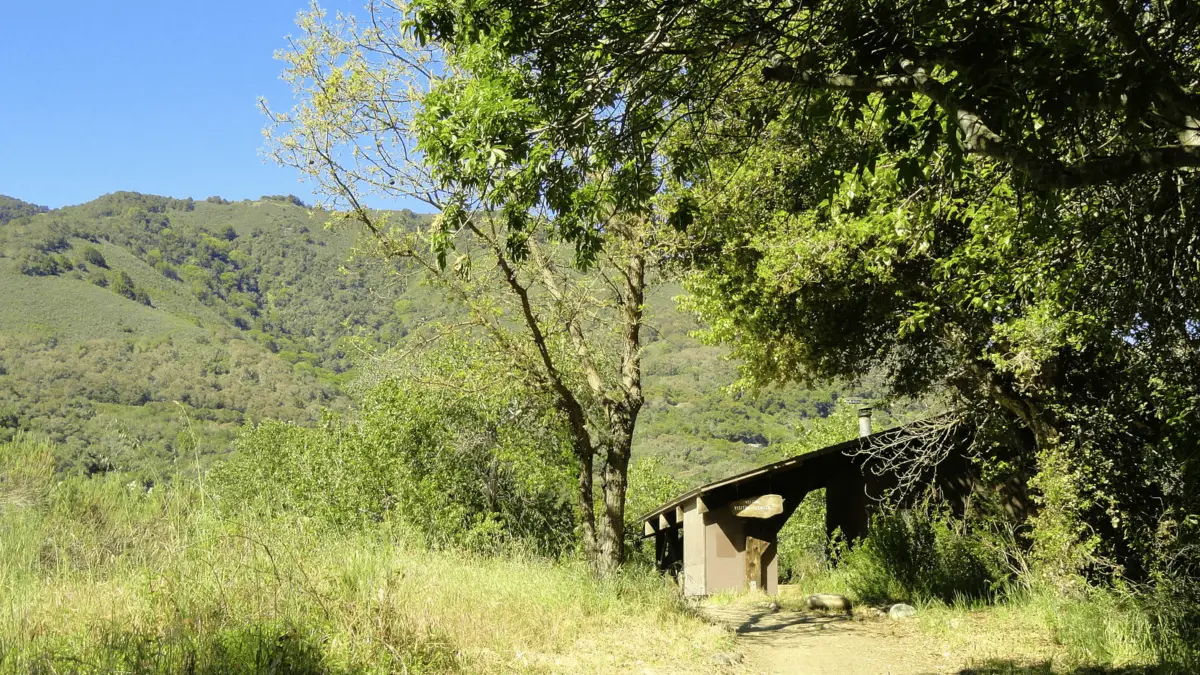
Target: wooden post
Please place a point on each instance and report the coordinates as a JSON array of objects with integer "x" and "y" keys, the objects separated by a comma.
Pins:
[
  {"x": 695, "y": 551},
  {"x": 754, "y": 554}
]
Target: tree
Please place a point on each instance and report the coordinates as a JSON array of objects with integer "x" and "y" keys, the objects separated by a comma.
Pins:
[
  {"x": 122, "y": 284},
  {"x": 995, "y": 199},
  {"x": 92, "y": 256},
  {"x": 555, "y": 280}
]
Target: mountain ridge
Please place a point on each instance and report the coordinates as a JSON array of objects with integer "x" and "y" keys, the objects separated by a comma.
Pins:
[{"x": 140, "y": 332}]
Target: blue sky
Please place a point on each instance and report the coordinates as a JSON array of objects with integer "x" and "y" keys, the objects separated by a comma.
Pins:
[{"x": 156, "y": 97}]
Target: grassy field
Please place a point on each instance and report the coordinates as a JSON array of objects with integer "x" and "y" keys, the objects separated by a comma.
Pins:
[{"x": 98, "y": 577}]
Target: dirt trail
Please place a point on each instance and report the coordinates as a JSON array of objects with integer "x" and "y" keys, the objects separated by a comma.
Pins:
[{"x": 794, "y": 643}]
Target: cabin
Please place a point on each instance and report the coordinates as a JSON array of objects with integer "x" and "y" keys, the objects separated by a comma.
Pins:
[{"x": 723, "y": 536}]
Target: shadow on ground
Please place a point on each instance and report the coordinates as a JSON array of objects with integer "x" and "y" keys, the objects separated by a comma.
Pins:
[
  {"x": 1006, "y": 667},
  {"x": 754, "y": 623}
]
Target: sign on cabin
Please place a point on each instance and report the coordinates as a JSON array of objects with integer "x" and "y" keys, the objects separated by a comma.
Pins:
[{"x": 765, "y": 506}]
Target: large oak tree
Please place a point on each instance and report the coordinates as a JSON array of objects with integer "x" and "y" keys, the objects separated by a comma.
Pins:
[{"x": 994, "y": 198}]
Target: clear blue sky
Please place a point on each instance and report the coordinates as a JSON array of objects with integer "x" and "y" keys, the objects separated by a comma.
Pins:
[{"x": 155, "y": 97}]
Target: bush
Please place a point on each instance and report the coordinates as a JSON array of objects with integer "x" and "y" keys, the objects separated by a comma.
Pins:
[
  {"x": 483, "y": 470},
  {"x": 92, "y": 256},
  {"x": 122, "y": 284},
  {"x": 918, "y": 556},
  {"x": 803, "y": 540},
  {"x": 1173, "y": 607},
  {"x": 650, "y": 485}
]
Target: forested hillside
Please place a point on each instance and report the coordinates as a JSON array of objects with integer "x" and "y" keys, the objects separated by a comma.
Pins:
[{"x": 140, "y": 332}]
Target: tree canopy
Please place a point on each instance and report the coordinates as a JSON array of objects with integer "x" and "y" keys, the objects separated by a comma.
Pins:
[{"x": 992, "y": 199}]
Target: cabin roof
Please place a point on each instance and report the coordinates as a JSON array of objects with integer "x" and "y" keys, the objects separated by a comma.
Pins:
[{"x": 825, "y": 459}]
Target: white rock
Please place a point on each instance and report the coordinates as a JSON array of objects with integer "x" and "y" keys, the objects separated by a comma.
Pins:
[{"x": 901, "y": 611}]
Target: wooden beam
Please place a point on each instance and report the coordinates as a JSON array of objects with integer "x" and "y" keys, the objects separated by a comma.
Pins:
[
  {"x": 663, "y": 523},
  {"x": 764, "y": 506},
  {"x": 701, "y": 507},
  {"x": 679, "y": 515},
  {"x": 647, "y": 529}
]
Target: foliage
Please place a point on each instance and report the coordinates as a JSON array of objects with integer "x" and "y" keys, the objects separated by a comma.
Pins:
[
  {"x": 803, "y": 543},
  {"x": 157, "y": 582},
  {"x": 92, "y": 256},
  {"x": 97, "y": 373},
  {"x": 571, "y": 326},
  {"x": 210, "y": 365},
  {"x": 12, "y": 209},
  {"x": 916, "y": 556},
  {"x": 450, "y": 446},
  {"x": 650, "y": 485},
  {"x": 994, "y": 199},
  {"x": 152, "y": 404}
]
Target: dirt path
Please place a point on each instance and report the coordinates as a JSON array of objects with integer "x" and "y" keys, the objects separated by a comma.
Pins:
[{"x": 793, "y": 643}]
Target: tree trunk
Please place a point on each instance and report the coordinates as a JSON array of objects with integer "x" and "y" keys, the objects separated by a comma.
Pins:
[
  {"x": 612, "y": 527},
  {"x": 586, "y": 506},
  {"x": 1061, "y": 547}
]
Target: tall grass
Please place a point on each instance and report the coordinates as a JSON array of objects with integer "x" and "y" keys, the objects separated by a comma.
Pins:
[
  {"x": 976, "y": 590},
  {"x": 100, "y": 576}
]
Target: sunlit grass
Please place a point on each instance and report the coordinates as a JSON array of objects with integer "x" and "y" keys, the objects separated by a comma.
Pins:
[{"x": 102, "y": 577}]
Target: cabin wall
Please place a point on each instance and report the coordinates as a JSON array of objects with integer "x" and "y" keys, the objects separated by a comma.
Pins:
[{"x": 725, "y": 541}]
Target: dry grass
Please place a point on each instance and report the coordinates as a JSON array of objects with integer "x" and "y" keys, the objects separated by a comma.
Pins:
[{"x": 100, "y": 577}]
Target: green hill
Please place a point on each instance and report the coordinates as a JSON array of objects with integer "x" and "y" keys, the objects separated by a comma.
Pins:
[{"x": 141, "y": 332}]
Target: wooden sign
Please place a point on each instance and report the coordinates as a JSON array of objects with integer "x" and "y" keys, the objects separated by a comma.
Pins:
[{"x": 765, "y": 506}]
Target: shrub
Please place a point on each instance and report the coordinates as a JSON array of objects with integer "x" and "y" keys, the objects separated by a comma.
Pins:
[
  {"x": 803, "y": 540},
  {"x": 122, "y": 284},
  {"x": 483, "y": 469},
  {"x": 650, "y": 485},
  {"x": 92, "y": 256},
  {"x": 919, "y": 555}
]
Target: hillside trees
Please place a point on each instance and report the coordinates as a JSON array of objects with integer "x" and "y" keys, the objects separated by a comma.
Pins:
[
  {"x": 12, "y": 209},
  {"x": 474, "y": 466},
  {"x": 555, "y": 280},
  {"x": 992, "y": 198}
]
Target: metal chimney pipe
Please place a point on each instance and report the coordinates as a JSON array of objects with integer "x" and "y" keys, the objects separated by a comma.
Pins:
[{"x": 864, "y": 421}]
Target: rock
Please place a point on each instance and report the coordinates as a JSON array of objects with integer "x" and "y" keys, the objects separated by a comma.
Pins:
[
  {"x": 774, "y": 606},
  {"x": 828, "y": 602},
  {"x": 727, "y": 658},
  {"x": 901, "y": 611}
]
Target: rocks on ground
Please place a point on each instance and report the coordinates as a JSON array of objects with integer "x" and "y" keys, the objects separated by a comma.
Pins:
[
  {"x": 828, "y": 602},
  {"x": 727, "y": 658},
  {"x": 901, "y": 611}
]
